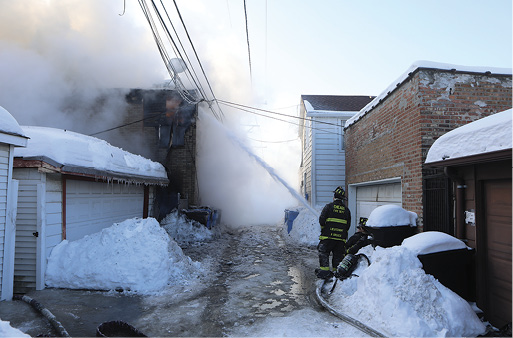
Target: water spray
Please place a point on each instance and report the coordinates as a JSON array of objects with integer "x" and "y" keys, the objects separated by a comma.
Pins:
[{"x": 270, "y": 170}]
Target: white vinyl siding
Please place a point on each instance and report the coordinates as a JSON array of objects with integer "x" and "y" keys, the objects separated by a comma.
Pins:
[
  {"x": 4, "y": 175},
  {"x": 26, "y": 225},
  {"x": 329, "y": 159}
]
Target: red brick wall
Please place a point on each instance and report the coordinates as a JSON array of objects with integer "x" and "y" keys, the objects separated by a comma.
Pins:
[
  {"x": 393, "y": 138},
  {"x": 181, "y": 166}
]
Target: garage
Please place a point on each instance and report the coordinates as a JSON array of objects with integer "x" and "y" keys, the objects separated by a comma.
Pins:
[
  {"x": 92, "y": 206},
  {"x": 365, "y": 197},
  {"x": 72, "y": 185}
]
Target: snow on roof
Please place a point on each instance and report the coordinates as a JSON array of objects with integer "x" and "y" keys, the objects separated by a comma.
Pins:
[
  {"x": 8, "y": 124},
  {"x": 431, "y": 242},
  {"x": 390, "y": 215},
  {"x": 77, "y": 153},
  {"x": 485, "y": 135},
  {"x": 423, "y": 64}
]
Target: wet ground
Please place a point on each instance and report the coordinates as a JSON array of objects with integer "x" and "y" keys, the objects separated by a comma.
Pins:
[{"x": 255, "y": 275}]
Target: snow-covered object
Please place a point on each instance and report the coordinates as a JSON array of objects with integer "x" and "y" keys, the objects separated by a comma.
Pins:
[
  {"x": 395, "y": 296},
  {"x": 136, "y": 255},
  {"x": 185, "y": 231},
  {"x": 491, "y": 133},
  {"x": 8, "y": 124},
  {"x": 411, "y": 69},
  {"x": 432, "y": 241},
  {"x": 72, "y": 149},
  {"x": 305, "y": 227},
  {"x": 390, "y": 215}
]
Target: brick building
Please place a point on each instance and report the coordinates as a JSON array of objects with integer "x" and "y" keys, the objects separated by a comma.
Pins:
[
  {"x": 387, "y": 141},
  {"x": 165, "y": 133}
]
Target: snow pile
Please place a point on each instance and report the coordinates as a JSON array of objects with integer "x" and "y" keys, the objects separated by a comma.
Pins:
[
  {"x": 432, "y": 241},
  {"x": 183, "y": 230},
  {"x": 391, "y": 215},
  {"x": 73, "y": 149},
  {"x": 488, "y": 134},
  {"x": 396, "y": 297},
  {"x": 8, "y": 124},
  {"x": 305, "y": 228},
  {"x": 135, "y": 255},
  {"x": 6, "y": 330}
]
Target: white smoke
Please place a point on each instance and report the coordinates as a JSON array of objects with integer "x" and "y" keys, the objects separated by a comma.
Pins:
[
  {"x": 60, "y": 61},
  {"x": 58, "y": 58},
  {"x": 232, "y": 180}
]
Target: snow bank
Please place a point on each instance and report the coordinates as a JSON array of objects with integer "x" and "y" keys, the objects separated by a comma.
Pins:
[
  {"x": 183, "y": 230},
  {"x": 391, "y": 215},
  {"x": 396, "y": 297},
  {"x": 432, "y": 241},
  {"x": 135, "y": 255},
  {"x": 305, "y": 228},
  {"x": 488, "y": 134},
  {"x": 6, "y": 330},
  {"x": 73, "y": 149},
  {"x": 8, "y": 124}
]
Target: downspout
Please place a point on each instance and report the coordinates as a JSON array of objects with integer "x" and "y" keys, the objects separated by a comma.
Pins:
[
  {"x": 314, "y": 165},
  {"x": 146, "y": 201},
  {"x": 460, "y": 201},
  {"x": 63, "y": 226}
]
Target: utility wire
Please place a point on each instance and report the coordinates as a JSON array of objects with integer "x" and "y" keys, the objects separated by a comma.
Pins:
[
  {"x": 127, "y": 124},
  {"x": 197, "y": 57},
  {"x": 179, "y": 54},
  {"x": 281, "y": 114},
  {"x": 247, "y": 39},
  {"x": 285, "y": 141},
  {"x": 232, "y": 105}
]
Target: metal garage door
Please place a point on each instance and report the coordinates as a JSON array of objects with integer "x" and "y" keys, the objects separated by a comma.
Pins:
[
  {"x": 369, "y": 197},
  {"x": 92, "y": 206},
  {"x": 497, "y": 199}
]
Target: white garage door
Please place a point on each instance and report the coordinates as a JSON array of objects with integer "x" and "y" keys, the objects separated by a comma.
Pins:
[
  {"x": 92, "y": 206},
  {"x": 369, "y": 197}
]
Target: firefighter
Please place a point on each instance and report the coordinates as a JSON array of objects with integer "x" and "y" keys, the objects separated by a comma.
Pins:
[
  {"x": 335, "y": 220},
  {"x": 359, "y": 239}
]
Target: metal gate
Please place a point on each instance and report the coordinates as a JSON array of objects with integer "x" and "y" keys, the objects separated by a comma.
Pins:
[{"x": 438, "y": 203}]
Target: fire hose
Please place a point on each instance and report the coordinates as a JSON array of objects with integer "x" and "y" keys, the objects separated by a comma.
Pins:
[
  {"x": 61, "y": 331},
  {"x": 344, "y": 270}
]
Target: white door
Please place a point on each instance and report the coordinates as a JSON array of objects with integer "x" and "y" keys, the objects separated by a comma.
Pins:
[
  {"x": 369, "y": 197},
  {"x": 92, "y": 206}
]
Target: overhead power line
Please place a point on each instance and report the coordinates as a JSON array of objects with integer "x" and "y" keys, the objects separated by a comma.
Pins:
[
  {"x": 272, "y": 112},
  {"x": 247, "y": 109},
  {"x": 247, "y": 39}
]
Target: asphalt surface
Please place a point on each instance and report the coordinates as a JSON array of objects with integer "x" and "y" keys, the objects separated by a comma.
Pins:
[{"x": 255, "y": 275}]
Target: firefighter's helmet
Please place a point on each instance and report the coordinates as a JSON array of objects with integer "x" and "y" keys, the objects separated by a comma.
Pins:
[{"x": 340, "y": 193}]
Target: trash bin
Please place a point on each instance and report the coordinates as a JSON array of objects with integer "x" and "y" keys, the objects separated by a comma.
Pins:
[
  {"x": 390, "y": 236},
  {"x": 117, "y": 328},
  {"x": 455, "y": 269},
  {"x": 290, "y": 216},
  {"x": 204, "y": 215},
  {"x": 448, "y": 259},
  {"x": 390, "y": 224}
]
